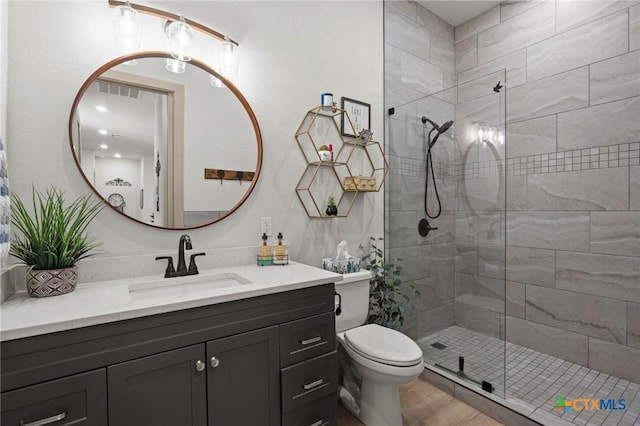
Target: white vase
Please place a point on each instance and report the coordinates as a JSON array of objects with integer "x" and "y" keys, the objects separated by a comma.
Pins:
[{"x": 325, "y": 155}]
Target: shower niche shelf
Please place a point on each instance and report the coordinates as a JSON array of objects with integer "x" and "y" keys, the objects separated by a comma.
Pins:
[{"x": 358, "y": 165}]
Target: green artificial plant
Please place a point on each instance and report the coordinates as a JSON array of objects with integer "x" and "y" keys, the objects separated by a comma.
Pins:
[
  {"x": 387, "y": 301},
  {"x": 331, "y": 201},
  {"x": 55, "y": 236}
]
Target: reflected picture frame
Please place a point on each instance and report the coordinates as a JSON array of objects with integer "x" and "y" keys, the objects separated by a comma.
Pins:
[{"x": 359, "y": 113}]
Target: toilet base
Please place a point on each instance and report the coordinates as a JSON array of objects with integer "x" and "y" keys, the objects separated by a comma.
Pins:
[{"x": 380, "y": 404}]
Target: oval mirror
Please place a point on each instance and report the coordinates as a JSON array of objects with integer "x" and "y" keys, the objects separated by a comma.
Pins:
[
  {"x": 175, "y": 150},
  {"x": 482, "y": 178}
]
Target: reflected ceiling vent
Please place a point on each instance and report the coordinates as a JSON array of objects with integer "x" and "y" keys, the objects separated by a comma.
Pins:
[{"x": 119, "y": 90}]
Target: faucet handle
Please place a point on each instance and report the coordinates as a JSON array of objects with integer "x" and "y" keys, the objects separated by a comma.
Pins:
[
  {"x": 170, "y": 269},
  {"x": 192, "y": 261}
]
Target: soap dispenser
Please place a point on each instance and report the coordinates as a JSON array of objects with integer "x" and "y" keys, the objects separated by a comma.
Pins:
[
  {"x": 264, "y": 256},
  {"x": 280, "y": 248}
]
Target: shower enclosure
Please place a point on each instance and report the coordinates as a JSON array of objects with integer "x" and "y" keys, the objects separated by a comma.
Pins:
[{"x": 455, "y": 191}]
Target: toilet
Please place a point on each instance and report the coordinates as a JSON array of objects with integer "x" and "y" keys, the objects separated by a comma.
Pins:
[{"x": 379, "y": 359}]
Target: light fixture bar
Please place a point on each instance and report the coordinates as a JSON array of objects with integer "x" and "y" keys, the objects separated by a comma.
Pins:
[{"x": 172, "y": 17}]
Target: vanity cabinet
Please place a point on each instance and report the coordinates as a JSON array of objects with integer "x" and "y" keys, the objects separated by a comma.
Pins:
[{"x": 266, "y": 360}]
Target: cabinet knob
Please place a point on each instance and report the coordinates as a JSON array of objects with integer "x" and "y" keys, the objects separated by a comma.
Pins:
[
  {"x": 215, "y": 362},
  {"x": 199, "y": 365}
]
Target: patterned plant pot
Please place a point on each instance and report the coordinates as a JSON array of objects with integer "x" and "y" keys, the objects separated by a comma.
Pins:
[{"x": 52, "y": 282}]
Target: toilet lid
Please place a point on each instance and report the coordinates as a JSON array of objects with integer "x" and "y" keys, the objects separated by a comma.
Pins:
[{"x": 383, "y": 345}]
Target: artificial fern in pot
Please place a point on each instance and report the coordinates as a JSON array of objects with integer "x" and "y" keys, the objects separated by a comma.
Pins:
[{"x": 52, "y": 239}]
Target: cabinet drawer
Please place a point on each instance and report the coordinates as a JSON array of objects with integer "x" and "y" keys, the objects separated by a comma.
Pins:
[
  {"x": 306, "y": 338},
  {"x": 79, "y": 399},
  {"x": 309, "y": 381},
  {"x": 318, "y": 413}
]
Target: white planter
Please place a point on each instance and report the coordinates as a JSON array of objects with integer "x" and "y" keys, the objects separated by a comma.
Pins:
[{"x": 325, "y": 155}]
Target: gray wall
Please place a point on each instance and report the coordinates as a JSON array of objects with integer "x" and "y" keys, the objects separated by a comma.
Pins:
[{"x": 573, "y": 177}]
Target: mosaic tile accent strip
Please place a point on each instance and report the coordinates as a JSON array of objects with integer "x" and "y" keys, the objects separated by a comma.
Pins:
[
  {"x": 620, "y": 155},
  {"x": 535, "y": 377}
]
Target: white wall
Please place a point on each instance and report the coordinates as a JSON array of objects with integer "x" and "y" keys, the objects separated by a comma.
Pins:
[{"x": 291, "y": 52}]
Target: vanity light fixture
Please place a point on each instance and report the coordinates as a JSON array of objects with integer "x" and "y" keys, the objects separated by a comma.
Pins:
[
  {"x": 104, "y": 146},
  {"x": 127, "y": 27},
  {"x": 102, "y": 132},
  {"x": 180, "y": 31},
  {"x": 175, "y": 66},
  {"x": 489, "y": 134},
  {"x": 180, "y": 35},
  {"x": 102, "y": 108}
]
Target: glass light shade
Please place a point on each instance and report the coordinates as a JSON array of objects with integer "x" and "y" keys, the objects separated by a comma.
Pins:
[
  {"x": 180, "y": 34},
  {"x": 175, "y": 66},
  {"x": 127, "y": 27},
  {"x": 216, "y": 82},
  {"x": 228, "y": 61}
]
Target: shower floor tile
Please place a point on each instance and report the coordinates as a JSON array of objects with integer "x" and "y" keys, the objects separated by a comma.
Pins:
[{"x": 533, "y": 377}]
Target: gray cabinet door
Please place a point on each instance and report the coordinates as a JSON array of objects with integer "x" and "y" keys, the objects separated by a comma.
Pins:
[
  {"x": 243, "y": 383},
  {"x": 80, "y": 399},
  {"x": 164, "y": 389}
]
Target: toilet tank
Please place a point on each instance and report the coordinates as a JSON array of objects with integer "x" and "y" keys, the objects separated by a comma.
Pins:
[{"x": 354, "y": 292}]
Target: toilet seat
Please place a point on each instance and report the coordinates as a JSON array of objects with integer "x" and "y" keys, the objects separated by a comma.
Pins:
[{"x": 383, "y": 345}]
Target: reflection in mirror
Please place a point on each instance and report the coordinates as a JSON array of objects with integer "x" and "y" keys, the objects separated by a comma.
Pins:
[{"x": 143, "y": 136}]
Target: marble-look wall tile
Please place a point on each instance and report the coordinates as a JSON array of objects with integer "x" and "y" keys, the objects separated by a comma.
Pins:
[
  {"x": 478, "y": 319},
  {"x": 477, "y": 285},
  {"x": 582, "y": 128},
  {"x": 443, "y": 54},
  {"x": 634, "y": 189},
  {"x": 395, "y": 94},
  {"x": 615, "y": 233},
  {"x": 618, "y": 360},
  {"x": 515, "y": 300},
  {"x": 516, "y": 192},
  {"x": 425, "y": 260},
  {"x": 407, "y": 7},
  {"x": 551, "y": 230},
  {"x": 558, "y": 93},
  {"x": 480, "y": 228},
  {"x": 595, "y": 189},
  {"x": 511, "y": 8},
  {"x": 434, "y": 23},
  {"x": 529, "y": 27},
  {"x": 434, "y": 291},
  {"x": 607, "y": 37},
  {"x": 466, "y": 54},
  {"x": 570, "y": 14},
  {"x": 479, "y": 87},
  {"x": 486, "y": 109},
  {"x": 478, "y": 24},
  {"x": 562, "y": 344},
  {"x": 530, "y": 137},
  {"x": 403, "y": 229},
  {"x": 633, "y": 324},
  {"x": 428, "y": 322},
  {"x": 491, "y": 261},
  {"x": 634, "y": 27},
  {"x": 616, "y": 277},
  {"x": 614, "y": 79},
  {"x": 405, "y": 141},
  {"x": 599, "y": 317},
  {"x": 404, "y": 33},
  {"x": 466, "y": 257},
  {"x": 410, "y": 326},
  {"x": 531, "y": 266},
  {"x": 515, "y": 64},
  {"x": 405, "y": 193}
]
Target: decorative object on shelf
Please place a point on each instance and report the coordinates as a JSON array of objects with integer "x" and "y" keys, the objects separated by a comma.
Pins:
[
  {"x": 366, "y": 135},
  {"x": 360, "y": 183},
  {"x": 118, "y": 182},
  {"x": 387, "y": 302},
  {"x": 53, "y": 239},
  {"x": 332, "y": 209},
  {"x": 324, "y": 153},
  {"x": 359, "y": 114},
  {"x": 116, "y": 201},
  {"x": 326, "y": 100}
]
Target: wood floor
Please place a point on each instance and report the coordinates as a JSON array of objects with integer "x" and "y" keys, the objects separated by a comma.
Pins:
[{"x": 425, "y": 405}]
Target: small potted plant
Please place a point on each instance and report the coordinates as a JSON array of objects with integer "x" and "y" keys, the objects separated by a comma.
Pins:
[
  {"x": 324, "y": 153},
  {"x": 332, "y": 209},
  {"x": 53, "y": 239},
  {"x": 387, "y": 301}
]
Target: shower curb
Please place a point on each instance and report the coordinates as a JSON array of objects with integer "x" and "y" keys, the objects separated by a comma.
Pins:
[{"x": 510, "y": 412}]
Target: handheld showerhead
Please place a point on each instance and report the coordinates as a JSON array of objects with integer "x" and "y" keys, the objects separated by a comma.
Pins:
[
  {"x": 439, "y": 129},
  {"x": 445, "y": 126}
]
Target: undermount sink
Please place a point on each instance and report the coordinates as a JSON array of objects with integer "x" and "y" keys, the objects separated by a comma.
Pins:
[{"x": 182, "y": 286}]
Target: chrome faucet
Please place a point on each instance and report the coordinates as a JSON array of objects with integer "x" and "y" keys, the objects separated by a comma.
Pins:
[{"x": 182, "y": 270}]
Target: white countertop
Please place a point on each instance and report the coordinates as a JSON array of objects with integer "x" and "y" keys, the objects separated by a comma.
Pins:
[{"x": 107, "y": 301}]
